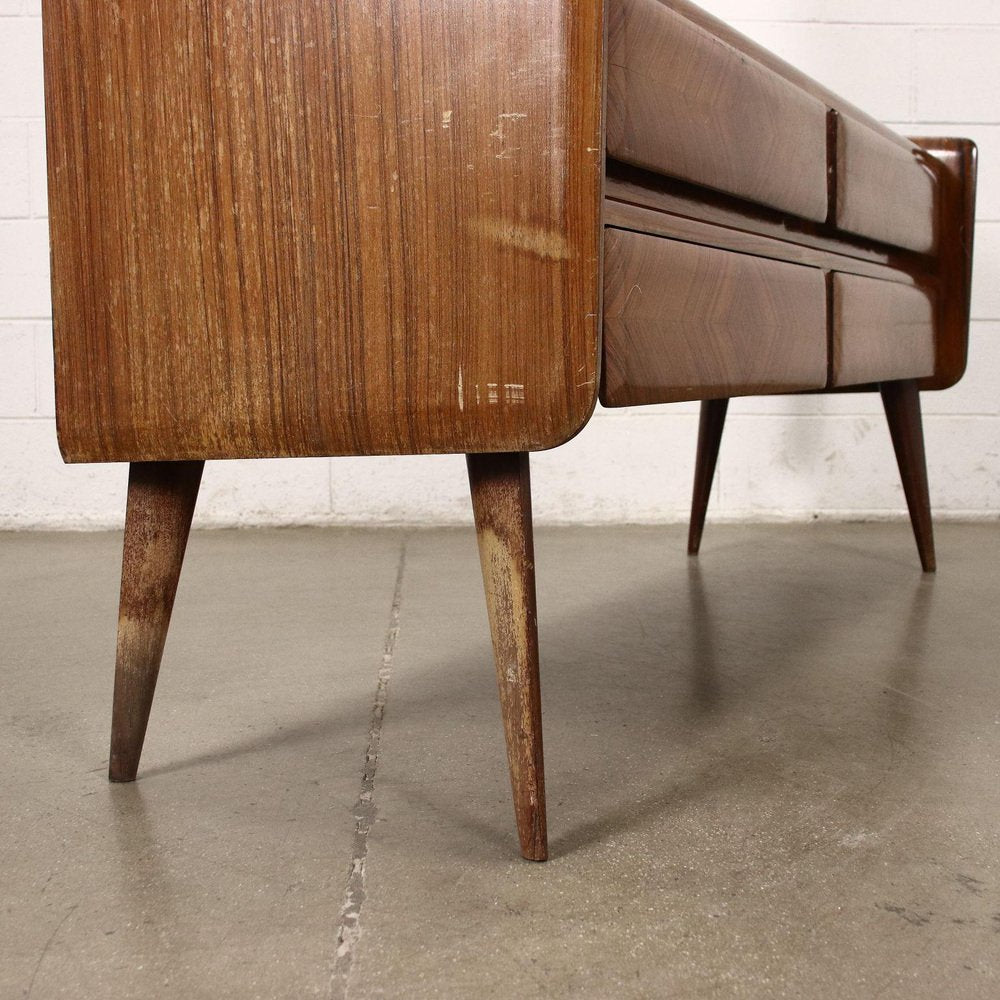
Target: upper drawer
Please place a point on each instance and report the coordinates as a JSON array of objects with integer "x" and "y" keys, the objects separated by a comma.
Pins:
[
  {"x": 884, "y": 189},
  {"x": 684, "y": 103}
]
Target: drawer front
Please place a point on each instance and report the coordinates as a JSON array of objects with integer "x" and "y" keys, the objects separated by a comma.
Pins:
[
  {"x": 689, "y": 322},
  {"x": 681, "y": 102},
  {"x": 881, "y": 331},
  {"x": 884, "y": 189}
]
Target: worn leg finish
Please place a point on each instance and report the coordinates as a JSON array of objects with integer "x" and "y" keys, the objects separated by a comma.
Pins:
[
  {"x": 710, "y": 426},
  {"x": 902, "y": 410},
  {"x": 501, "y": 501},
  {"x": 161, "y": 499}
]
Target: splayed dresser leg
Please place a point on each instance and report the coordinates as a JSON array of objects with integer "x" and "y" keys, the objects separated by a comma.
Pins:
[
  {"x": 501, "y": 501},
  {"x": 710, "y": 427},
  {"x": 902, "y": 410},
  {"x": 161, "y": 500}
]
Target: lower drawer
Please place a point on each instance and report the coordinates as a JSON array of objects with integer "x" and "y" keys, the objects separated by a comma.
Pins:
[
  {"x": 881, "y": 331},
  {"x": 688, "y": 322}
]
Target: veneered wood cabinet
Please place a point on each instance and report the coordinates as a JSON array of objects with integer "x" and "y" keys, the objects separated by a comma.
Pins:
[
  {"x": 297, "y": 228},
  {"x": 378, "y": 227}
]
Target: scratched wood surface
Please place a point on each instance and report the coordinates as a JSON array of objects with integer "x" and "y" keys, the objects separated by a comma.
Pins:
[
  {"x": 689, "y": 322},
  {"x": 683, "y": 102},
  {"x": 501, "y": 502},
  {"x": 315, "y": 228}
]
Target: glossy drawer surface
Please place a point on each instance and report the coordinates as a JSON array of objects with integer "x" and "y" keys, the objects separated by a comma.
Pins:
[
  {"x": 885, "y": 191},
  {"x": 881, "y": 331},
  {"x": 689, "y": 322},
  {"x": 686, "y": 104}
]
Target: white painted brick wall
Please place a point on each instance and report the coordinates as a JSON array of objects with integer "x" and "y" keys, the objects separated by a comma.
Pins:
[{"x": 923, "y": 66}]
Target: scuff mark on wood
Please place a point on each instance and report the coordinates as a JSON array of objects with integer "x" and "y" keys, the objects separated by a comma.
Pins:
[
  {"x": 544, "y": 243},
  {"x": 501, "y": 133},
  {"x": 501, "y": 500}
]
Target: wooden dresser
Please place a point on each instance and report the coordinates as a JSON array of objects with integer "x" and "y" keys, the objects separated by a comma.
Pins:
[{"x": 378, "y": 227}]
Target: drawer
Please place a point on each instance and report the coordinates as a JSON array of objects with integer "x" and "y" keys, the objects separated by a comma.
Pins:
[
  {"x": 684, "y": 103},
  {"x": 884, "y": 189},
  {"x": 881, "y": 331},
  {"x": 689, "y": 322}
]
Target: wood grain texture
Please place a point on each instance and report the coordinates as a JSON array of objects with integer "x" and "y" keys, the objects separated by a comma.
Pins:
[
  {"x": 687, "y": 322},
  {"x": 161, "y": 501},
  {"x": 884, "y": 190},
  {"x": 881, "y": 331},
  {"x": 315, "y": 228},
  {"x": 711, "y": 424},
  {"x": 639, "y": 200},
  {"x": 902, "y": 411},
  {"x": 501, "y": 501},
  {"x": 683, "y": 102},
  {"x": 792, "y": 74}
]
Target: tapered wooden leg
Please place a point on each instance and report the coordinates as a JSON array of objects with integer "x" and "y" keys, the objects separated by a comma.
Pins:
[
  {"x": 501, "y": 501},
  {"x": 902, "y": 410},
  {"x": 161, "y": 499},
  {"x": 713, "y": 420}
]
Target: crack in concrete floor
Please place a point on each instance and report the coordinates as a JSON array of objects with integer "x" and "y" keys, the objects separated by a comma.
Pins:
[{"x": 355, "y": 893}]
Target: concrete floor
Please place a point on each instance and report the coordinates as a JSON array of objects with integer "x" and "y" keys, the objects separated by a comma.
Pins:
[{"x": 773, "y": 771}]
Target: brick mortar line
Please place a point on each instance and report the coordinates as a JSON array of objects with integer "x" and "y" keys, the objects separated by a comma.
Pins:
[{"x": 918, "y": 25}]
